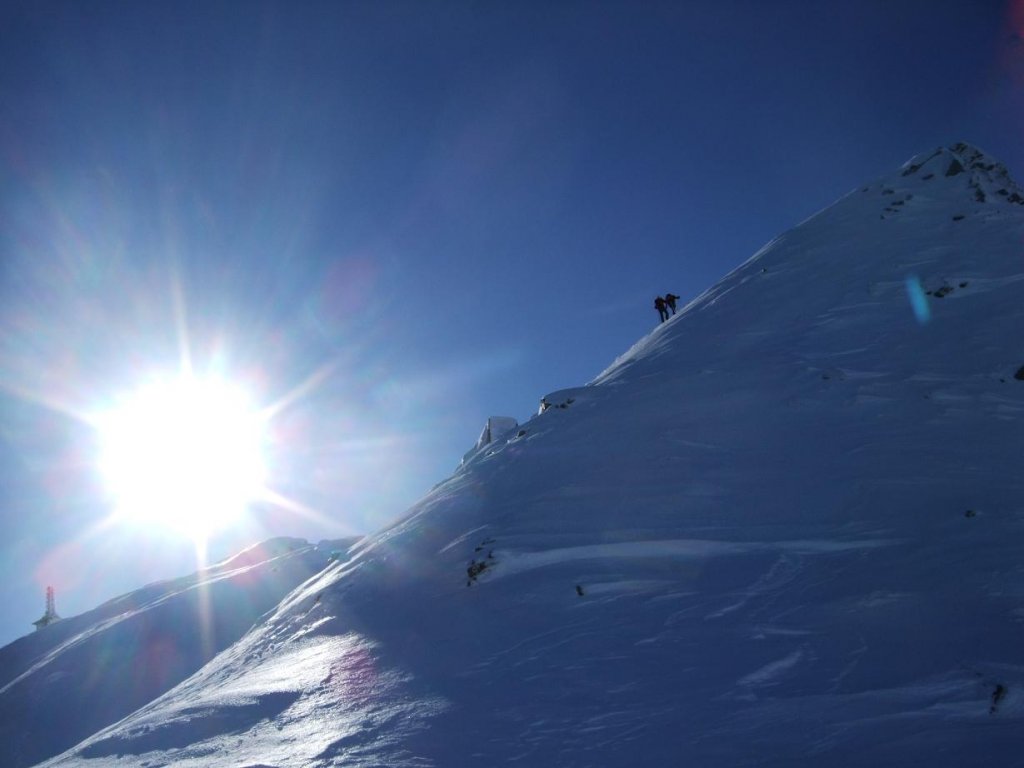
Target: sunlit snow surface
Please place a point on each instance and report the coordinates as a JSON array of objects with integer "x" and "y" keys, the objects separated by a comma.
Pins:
[{"x": 784, "y": 529}]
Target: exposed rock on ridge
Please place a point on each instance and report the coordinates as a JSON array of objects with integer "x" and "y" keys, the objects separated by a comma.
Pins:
[{"x": 987, "y": 178}]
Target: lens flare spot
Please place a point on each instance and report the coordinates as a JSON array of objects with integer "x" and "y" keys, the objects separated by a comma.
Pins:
[{"x": 918, "y": 300}]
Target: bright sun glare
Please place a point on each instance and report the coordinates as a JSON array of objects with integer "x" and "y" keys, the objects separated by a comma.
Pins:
[{"x": 185, "y": 453}]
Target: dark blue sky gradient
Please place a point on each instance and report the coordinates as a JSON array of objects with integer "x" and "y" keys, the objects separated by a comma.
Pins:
[{"x": 444, "y": 209}]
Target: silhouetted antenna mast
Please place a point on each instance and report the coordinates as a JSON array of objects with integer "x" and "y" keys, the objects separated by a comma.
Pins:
[{"x": 51, "y": 611}]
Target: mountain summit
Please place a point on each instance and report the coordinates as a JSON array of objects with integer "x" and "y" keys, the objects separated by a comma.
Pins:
[
  {"x": 983, "y": 175},
  {"x": 781, "y": 529}
]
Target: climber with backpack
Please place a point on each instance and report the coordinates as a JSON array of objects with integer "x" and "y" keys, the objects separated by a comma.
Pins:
[{"x": 659, "y": 304}]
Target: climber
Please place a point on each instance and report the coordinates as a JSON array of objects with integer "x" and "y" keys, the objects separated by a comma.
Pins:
[
  {"x": 659, "y": 304},
  {"x": 670, "y": 300}
]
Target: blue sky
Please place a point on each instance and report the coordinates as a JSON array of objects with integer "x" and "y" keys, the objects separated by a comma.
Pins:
[{"x": 429, "y": 212}]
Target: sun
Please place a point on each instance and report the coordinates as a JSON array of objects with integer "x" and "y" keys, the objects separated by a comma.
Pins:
[{"x": 184, "y": 453}]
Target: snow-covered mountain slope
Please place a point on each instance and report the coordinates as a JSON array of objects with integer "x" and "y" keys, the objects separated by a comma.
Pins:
[
  {"x": 783, "y": 529},
  {"x": 64, "y": 683}
]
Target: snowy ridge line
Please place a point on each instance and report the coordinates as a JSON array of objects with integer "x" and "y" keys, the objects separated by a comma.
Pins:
[
  {"x": 707, "y": 298},
  {"x": 203, "y": 579}
]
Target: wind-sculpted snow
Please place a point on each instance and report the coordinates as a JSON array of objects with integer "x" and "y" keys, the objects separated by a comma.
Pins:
[
  {"x": 783, "y": 529},
  {"x": 310, "y": 698},
  {"x": 666, "y": 549}
]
